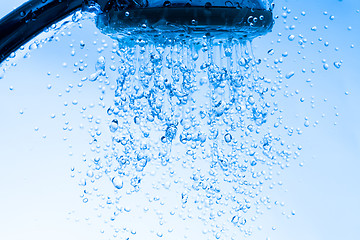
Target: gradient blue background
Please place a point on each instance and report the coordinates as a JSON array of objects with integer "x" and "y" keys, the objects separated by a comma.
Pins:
[{"x": 36, "y": 190}]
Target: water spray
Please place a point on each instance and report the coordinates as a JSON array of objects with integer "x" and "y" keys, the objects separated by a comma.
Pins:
[{"x": 189, "y": 103}]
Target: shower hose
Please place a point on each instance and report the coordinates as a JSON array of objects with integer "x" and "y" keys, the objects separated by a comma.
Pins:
[{"x": 32, "y": 18}]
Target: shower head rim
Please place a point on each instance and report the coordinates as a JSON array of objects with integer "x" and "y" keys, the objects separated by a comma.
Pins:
[{"x": 243, "y": 22}]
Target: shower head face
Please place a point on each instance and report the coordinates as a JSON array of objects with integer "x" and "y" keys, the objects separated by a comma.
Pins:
[
  {"x": 254, "y": 4},
  {"x": 126, "y": 4},
  {"x": 159, "y": 20}
]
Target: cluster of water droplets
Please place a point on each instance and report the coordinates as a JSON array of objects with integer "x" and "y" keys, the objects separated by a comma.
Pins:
[{"x": 190, "y": 116}]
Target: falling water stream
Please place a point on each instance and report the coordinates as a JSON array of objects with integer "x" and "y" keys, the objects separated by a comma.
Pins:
[{"x": 191, "y": 146}]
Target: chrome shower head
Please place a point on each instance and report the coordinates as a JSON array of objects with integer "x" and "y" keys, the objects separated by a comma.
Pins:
[{"x": 246, "y": 19}]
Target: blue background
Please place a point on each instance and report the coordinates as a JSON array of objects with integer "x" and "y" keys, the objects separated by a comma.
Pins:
[{"x": 38, "y": 194}]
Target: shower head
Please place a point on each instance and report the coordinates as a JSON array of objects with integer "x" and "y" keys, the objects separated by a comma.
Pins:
[{"x": 151, "y": 18}]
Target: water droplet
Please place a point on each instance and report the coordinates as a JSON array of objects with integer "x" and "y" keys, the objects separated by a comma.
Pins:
[
  {"x": 167, "y": 4},
  {"x": 290, "y": 75},
  {"x": 90, "y": 173},
  {"x": 306, "y": 123},
  {"x": 137, "y": 120},
  {"x": 100, "y": 64},
  {"x": 251, "y": 100},
  {"x": 112, "y": 68},
  {"x": 170, "y": 132},
  {"x": 33, "y": 46},
  {"x": 208, "y": 5},
  {"x": 337, "y": 64},
  {"x": 93, "y": 77},
  {"x": 82, "y": 182},
  {"x": 228, "y": 137},
  {"x": 114, "y": 125},
  {"x": 118, "y": 182}
]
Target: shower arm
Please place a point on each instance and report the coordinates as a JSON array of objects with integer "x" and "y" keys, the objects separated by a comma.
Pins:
[{"x": 31, "y": 18}]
